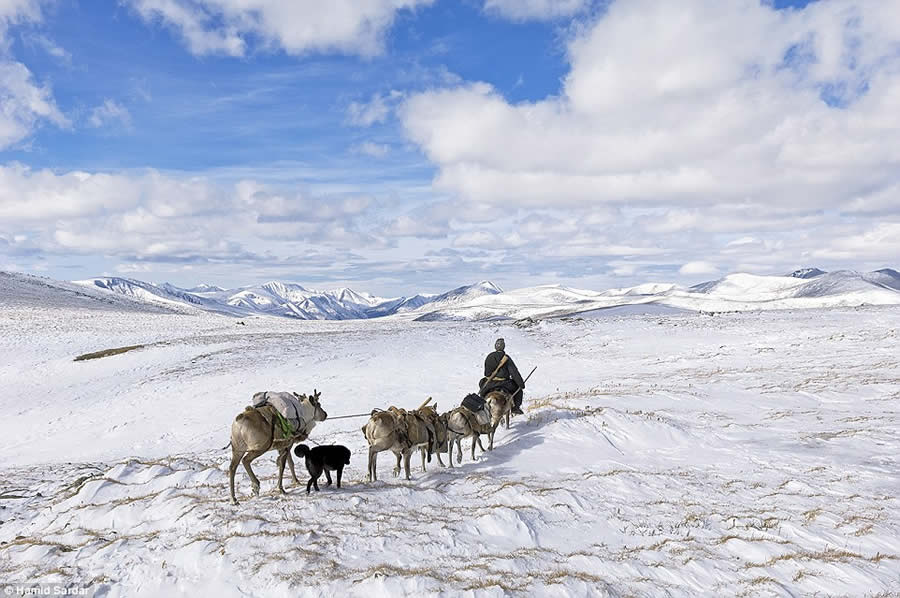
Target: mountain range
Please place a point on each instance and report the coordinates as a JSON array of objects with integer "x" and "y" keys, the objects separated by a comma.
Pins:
[
  {"x": 806, "y": 288},
  {"x": 289, "y": 299}
]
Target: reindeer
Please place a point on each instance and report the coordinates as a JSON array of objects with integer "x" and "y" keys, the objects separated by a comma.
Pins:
[
  {"x": 463, "y": 423},
  {"x": 398, "y": 431},
  {"x": 255, "y": 431},
  {"x": 438, "y": 425}
]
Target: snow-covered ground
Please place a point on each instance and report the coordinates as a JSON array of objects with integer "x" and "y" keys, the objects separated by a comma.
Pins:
[{"x": 660, "y": 454}]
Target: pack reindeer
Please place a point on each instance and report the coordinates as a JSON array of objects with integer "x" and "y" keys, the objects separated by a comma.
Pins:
[
  {"x": 438, "y": 425},
  {"x": 256, "y": 431},
  {"x": 400, "y": 432},
  {"x": 463, "y": 423}
]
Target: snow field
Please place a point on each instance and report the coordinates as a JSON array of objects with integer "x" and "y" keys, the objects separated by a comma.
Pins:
[{"x": 747, "y": 454}]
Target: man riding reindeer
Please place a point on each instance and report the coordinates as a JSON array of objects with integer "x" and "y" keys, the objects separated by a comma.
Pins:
[{"x": 501, "y": 373}]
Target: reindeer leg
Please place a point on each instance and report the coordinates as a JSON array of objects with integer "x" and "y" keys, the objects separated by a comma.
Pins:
[
  {"x": 397, "y": 468},
  {"x": 248, "y": 458},
  {"x": 406, "y": 455},
  {"x": 290, "y": 462},
  {"x": 450, "y": 450},
  {"x": 440, "y": 462},
  {"x": 282, "y": 459},
  {"x": 459, "y": 450},
  {"x": 475, "y": 438},
  {"x": 507, "y": 419},
  {"x": 232, "y": 468},
  {"x": 422, "y": 452},
  {"x": 372, "y": 459}
]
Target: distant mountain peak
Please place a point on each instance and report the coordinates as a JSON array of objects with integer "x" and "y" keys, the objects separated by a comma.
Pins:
[{"x": 807, "y": 273}]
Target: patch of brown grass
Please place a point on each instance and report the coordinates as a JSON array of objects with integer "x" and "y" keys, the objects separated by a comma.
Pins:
[{"x": 107, "y": 352}]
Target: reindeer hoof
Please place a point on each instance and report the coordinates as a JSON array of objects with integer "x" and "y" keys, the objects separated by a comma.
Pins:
[
  {"x": 255, "y": 490},
  {"x": 234, "y": 502}
]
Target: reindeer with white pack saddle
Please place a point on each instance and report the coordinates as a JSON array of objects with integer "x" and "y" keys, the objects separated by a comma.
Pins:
[{"x": 276, "y": 421}]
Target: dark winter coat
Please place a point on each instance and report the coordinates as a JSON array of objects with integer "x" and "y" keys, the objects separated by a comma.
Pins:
[{"x": 507, "y": 377}]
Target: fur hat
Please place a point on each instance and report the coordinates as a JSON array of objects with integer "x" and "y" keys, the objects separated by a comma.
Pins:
[{"x": 500, "y": 344}]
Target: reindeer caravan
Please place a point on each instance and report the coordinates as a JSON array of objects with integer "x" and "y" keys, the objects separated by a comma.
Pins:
[{"x": 278, "y": 420}]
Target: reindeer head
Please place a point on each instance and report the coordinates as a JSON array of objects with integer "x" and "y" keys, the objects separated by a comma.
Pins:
[{"x": 314, "y": 401}]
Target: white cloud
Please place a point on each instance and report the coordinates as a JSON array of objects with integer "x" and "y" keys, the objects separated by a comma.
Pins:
[
  {"x": 376, "y": 110},
  {"x": 881, "y": 240},
  {"x": 16, "y": 10},
  {"x": 296, "y": 27},
  {"x": 524, "y": 10},
  {"x": 692, "y": 268},
  {"x": 407, "y": 225},
  {"x": 479, "y": 239},
  {"x": 711, "y": 111},
  {"x": 110, "y": 113},
  {"x": 50, "y": 47},
  {"x": 24, "y": 104},
  {"x": 697, "y": 123},
  {"x": 372, "y": 149},
  {"x": 151, "y": 216}
]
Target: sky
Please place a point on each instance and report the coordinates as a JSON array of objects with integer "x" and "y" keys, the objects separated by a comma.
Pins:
[{"x": 402, "y": 146}]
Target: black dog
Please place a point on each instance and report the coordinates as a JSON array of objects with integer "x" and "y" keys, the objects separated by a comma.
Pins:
[{"x": 326, "y": 458}]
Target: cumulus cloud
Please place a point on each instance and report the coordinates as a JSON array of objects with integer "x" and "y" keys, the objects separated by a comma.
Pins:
[
  {"x": 712, "y": 110},
  {"x": 153, "y": 216},
  {"x": 229, "y": 26},
  {"x": 703, "y": 122}
]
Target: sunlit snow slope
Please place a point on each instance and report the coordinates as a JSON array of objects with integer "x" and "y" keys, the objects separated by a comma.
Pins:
[{"x": 660, "y": 455}]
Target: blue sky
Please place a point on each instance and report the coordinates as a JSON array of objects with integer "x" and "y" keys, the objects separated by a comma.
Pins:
[{"x": 425, "y": 144}]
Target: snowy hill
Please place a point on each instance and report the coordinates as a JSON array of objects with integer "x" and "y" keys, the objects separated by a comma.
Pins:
[
  {"x": 735, "y": 292},
  {"x": 807, "y": 288},
  {"x": 25, "y": 290}
]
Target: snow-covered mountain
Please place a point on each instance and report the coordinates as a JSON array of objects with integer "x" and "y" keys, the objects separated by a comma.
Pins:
[
  {"x": 807, "y": 288},
  {"x": 807, "y": 273},
  {"x": 735, "y": 292},
  {"x": 26, "y": 290},
  {"x": 286, "y": 299}
]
